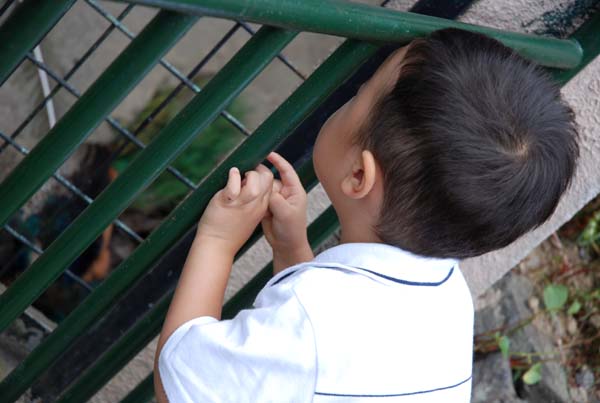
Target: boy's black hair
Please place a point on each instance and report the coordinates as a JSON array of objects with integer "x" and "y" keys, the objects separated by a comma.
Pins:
[{"x": 475, "y": 144}]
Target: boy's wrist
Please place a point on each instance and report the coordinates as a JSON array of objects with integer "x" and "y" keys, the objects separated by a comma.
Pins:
[{"x": 219, "y": 245}]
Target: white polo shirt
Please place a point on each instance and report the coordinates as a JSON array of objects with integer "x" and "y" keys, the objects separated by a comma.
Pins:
[{"x": 361, "y": 322}]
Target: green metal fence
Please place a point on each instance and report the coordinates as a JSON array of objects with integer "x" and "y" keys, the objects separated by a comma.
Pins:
[{"x": 367, "y": 29}]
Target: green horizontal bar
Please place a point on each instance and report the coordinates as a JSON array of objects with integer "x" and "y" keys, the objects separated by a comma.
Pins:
[
  {"x": 25, "y": 28},
  {"x": 220, "y": 91},
  {"x": 128, "y": 69},
  {"x": 588, "y": 35},
  {"x": 366, "y": 22},
  {"x": 145, "y": 329},
  {"x": 324, "y": 80}
]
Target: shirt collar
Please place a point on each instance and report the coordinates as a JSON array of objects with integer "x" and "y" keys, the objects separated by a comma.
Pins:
[{"x": 389, "y": 261}]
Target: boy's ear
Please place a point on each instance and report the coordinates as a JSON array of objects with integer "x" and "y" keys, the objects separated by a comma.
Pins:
[{"x": 361, "y": 179}]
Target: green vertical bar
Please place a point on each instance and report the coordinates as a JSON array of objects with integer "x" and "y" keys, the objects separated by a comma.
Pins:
[
  {"x": 369, "y": 23},
  {"x": 149, "y": 326},
  {"x": 94, "y": 105},
  {"x": 25, "y": 28},
  {"x": 347, "y": 58}
]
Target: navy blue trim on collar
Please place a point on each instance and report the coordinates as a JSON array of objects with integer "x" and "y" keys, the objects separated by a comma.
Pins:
[
  {"x": 286, "y": 275},
  {"x": 406, "y": 282},
  {"x": 398, "y": 394},
  {"x": 387, "y": 260},
  {"x": 396, "y": 280}
]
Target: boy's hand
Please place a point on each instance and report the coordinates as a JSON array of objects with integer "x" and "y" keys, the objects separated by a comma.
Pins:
[
  {"x": 284, "y": 224},
  {"x": 234, "y": 211}
]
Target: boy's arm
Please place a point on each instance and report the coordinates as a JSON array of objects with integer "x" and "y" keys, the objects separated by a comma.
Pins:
[
  {"x": 200, "y": 292},
  {"x": 227, "y": 222}
]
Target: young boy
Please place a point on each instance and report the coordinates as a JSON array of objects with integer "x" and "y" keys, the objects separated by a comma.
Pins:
[{"x": 455, "y": 147}]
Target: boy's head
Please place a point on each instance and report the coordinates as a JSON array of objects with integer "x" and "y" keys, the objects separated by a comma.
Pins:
[{"x": 455, "y": 147}]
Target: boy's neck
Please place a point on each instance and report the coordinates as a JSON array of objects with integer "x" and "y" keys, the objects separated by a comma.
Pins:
[{"x": 358, "y": 233}]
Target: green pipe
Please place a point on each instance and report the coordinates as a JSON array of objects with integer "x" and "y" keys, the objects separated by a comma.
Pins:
[
  {"x": 588, "y": 35},
  {"x": 140, "y": 56},
  {"x": 366, "y": 22},
  {"x": 24, "y": 29},
  {"x": 145, "y": 329}
]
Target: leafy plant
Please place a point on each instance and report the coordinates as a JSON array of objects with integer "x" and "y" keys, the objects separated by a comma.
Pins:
[
  {"x": 503, "y": 344},
  {"x": 555, "y": 296},
  {"x": 574, "y": 308},
  {"x": 590, "y": 236},
  {"x": 534, "y": 374}
]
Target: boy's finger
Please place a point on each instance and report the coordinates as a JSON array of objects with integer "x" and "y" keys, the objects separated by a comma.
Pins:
[
  {"x": 289, "y": 177},
  {"x": 232, "y": 189},
  {"x": 251, "y": 189},
  {"x": 277, "y": 185},
  {"x": 266, "y": 177},
  {"x": 263, "y": 170}
]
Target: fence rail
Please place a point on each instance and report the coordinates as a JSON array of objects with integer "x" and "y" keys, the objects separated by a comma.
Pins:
[{"x": 368, "y": 23}]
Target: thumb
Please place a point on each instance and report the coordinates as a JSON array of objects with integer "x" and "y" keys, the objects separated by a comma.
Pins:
[{"x": 232, "y": 189}]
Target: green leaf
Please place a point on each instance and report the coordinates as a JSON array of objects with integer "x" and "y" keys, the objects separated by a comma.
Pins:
[
  {"x": 533, "y": 374},
  {"x": 574, "y": 308},
  {"x": 555, "y": 296},
  {"x": 591, "y": 233},
  {"x": 504, "y": 344}
]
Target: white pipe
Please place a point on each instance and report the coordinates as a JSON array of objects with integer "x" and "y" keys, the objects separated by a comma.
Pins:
[{"x": 37, "y": 53}]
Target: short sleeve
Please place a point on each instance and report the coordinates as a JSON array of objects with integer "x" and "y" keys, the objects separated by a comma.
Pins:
[{"x": 264, "y": 354}]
